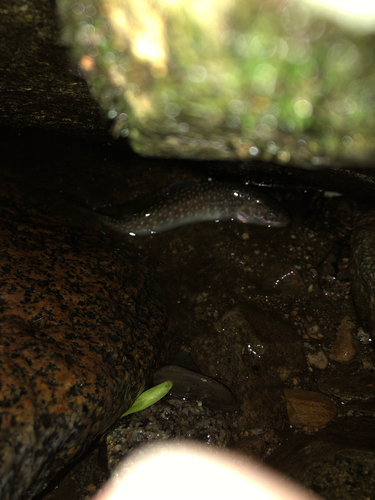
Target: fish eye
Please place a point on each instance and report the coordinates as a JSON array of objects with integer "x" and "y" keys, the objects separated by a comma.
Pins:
[{"x": 271, "y": 216}]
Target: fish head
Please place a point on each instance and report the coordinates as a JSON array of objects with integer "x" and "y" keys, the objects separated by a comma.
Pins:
[{"x": 262, "y": 211}]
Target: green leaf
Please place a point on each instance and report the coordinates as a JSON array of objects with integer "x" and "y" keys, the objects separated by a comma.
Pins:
[{"x": 149, "y": 397}]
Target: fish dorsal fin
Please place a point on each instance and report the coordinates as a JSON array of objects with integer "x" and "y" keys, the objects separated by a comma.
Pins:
[
  {"x": 179, "y": 186},
  {"x": 173, "y": 190}
]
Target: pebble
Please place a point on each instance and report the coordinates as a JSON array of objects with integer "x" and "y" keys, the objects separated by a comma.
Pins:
[
  {"x": 318, "y": 360},
  {"x": 345, "y": 346},
  {"x": 309, "y": 408}
]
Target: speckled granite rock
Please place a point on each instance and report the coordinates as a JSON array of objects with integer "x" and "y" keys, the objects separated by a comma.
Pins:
[
  {"x": 170, "y": 418},
  {"x": 79, "y": 330},
  {"x": 362, "y": 265}
]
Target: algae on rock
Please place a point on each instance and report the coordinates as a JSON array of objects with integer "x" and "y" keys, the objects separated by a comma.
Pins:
[{"x": 229, "y": 80}]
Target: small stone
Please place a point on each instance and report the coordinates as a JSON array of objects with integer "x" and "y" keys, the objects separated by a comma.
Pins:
[
  {"x": 313, "y": 331},
  {"x": 367, "y": 365},
  {"x": 308, "y": 408},
  {"x": 318, "y": 360},
  {"x": 345, "y": 346},
  {"x": 91, "y": 488},
  {"x": 363, "y": 336},
  {"x": 282, "y": 278}
]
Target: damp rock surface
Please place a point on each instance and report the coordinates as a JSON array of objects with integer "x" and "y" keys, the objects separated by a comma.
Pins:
[
  {"x": 80, "y": 326},
  {"x": 168, "y": 419}
]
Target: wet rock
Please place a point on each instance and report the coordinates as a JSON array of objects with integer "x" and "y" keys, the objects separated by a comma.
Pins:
[
  {"x": 183, "y": 358},
  {"x": 349, "y": 387},
  {"x": 188, "y": 384},
  {"x": 362, "y": 266},
  {"x": 313, "y": 331},
  {"x": 253, "y": 354},
  {"x": 282, "y": 278},
  {"x": 318, "y": 359},
  {"x": 170, "y": 418},
  {"x": 248, "y": 341},
  {"x": 79, "y": 333},
  {"x": 337, "y": 462},
  {"x": 309, "y": 408},
  {"x": 345, "y": 346},
  {"x": 79, "y": 481}
]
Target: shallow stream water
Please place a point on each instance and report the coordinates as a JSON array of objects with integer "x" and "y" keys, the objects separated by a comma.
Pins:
[{"x": 259, "y": 309}]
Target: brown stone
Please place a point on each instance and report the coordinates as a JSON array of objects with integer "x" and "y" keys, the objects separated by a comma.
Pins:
[
  {"x": 308, "y": 408},
  {"x": 345, "y": 346}
]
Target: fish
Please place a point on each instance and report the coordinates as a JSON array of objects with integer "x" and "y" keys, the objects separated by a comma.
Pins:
[{"x": 204, "y": 201}]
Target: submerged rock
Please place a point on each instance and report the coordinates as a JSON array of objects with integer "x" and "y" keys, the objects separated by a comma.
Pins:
[
  {"x": 248, "y": 342},
  {"x": 194, "y": 386},
  {"x": 309, "y": 408},
  {"x": 80, "y": 326}
]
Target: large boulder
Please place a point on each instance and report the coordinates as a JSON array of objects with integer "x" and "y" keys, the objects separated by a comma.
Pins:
[
  {"x": 234, "y": 80},
  {"x": 80, "y": 327}
]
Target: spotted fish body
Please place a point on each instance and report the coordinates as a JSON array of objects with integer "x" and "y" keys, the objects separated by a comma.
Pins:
[{"x": 206, "y": 201}]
